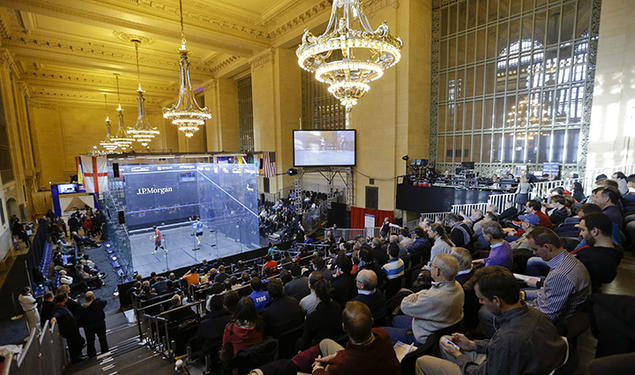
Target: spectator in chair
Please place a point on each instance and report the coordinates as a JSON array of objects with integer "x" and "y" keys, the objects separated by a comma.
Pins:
[
  {"x": 601, "y": 258},
  {"x": 509, "y": 212},
  {"x": 431, "y": 309},
  {"x": 526, "y": 342},
  {"x": 403, "y": 253},
  {"x": 527, "y": 223},
  {"x": 566, "y": 286},
  {"x": 442, "y": 243},
  {"x": 298, "y": 287},
  {"x": 464, "y": 259},
  {"x": 368, "y": 294},
  {"x": 535, "y": 207},
  {"x": 379, "y": 251},
  {"x": 368, "y": 351},
  {"x": 283, "y": 313},
  {"x": 245, "y": 329},
  {"x": 325, "y": 321},
  {"x": 608, "y": 198},
  {"x": 258, "y": 295},
  {"x": 420, "y": 243},
  {"x": 394, "y": 268},
  {"x": 500, "y": 250},
  {"x": 344, "y": 288},
  {"x": 559, "y": 211},
  {"x": 212, "y": 327},
  {"x": 222, "y": 275},
  {"x": 269, "y": 264},
  {"x": 310, "y": 302},
  {"x": 460, "y": 234}
]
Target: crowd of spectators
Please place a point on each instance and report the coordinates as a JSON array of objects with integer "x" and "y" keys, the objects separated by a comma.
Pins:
[
  {"x": 531, "y": 270},
  {"x": 284, "y": 221}
]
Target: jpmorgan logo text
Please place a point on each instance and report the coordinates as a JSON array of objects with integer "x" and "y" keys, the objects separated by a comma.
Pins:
[{"x": 153, "y": 190}]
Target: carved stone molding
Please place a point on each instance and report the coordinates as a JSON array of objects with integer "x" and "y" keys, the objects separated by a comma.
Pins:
[
  {"x": 91, "y": 49},
  {"x": 262, "y": 59},
  {"x": 374, "y": 6},
  {"x": 42, "y": 105},
  {"x": 224, "y": 63},
  {"x": 296, "y": 22}
]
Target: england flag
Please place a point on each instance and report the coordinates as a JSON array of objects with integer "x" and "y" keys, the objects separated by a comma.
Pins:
[{"x": 95, "y": 173}]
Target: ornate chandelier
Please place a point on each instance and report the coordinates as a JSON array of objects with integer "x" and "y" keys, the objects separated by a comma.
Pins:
[
  {"x": 121, "y": 139},
  {"x": 186, "y": 114},
  {"x": 350, "y": 54},
  {"x": 107, "y": 145},
  {"x": 142, "y": 131}
]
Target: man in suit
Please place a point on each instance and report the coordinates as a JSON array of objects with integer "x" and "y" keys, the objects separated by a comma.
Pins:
[
  {"x": 283, "y": 313},
  {"x": 94, "y": 323},
  {"x": 68, "y": 328},
  {"x": 368, "y": 294}
]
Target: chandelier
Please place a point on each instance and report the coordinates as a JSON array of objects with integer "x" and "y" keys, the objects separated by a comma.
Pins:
[
  {"x": 121, "y": 139},
  {"x": 350, "y": 54},
  {"x": 142, "y": 131},
  {"x": 186, "y": 114},
  {"x": 107, "y": 145}
]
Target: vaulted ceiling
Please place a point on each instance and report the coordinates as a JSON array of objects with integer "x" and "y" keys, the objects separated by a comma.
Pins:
[{"x": 69, "y": 49}]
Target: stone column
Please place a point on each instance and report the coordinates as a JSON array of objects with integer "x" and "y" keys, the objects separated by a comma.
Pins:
[
  {"x": 277, "y": 104},
  {"x": 223, "y": 129},
  {"x": 393, "y": 119}
]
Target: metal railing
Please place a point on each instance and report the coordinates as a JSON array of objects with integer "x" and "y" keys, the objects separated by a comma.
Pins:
[
  {"x": 498, "y": 201},
  {"x": 160, "y": 329},
  {"x": 467, "y": 208},
  {"x": 43, "y": 354},
  {"x": 349, "y": 234},
  {"x": 541, "y": 189}
]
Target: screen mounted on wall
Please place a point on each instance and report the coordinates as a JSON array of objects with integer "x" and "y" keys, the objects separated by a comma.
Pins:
[{"x": 324, "y": 148}]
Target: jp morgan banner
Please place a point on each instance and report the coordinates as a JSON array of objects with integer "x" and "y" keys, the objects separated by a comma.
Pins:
[
  {"x": 153, "y": 190},
  {"x": 157, "y": 194}
]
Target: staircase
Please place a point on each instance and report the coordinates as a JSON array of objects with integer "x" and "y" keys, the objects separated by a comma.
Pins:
[{"x": 126, "y": 356}]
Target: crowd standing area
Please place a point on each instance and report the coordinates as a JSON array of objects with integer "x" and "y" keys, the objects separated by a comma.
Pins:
[{"x": 515, "y": 292}]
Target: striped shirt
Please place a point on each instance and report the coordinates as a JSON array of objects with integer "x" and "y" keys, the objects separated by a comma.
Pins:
[
  {"x": 394, "y": 269},
  {"x": 566, "y": 286}
]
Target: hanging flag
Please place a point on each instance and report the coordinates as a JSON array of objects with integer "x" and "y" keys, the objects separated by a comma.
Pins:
[
  {"x": 269, "y": 164},
  {"x": 79, "y": 171},
  {"x": 95, "y": 170}
]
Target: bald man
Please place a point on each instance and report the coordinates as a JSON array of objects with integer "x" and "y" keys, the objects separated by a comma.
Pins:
[
  {"x": 369, "y": 350},
  {"x": 431, "y": 309},
  {"x": 368, "y": 294},
  {"x": 94, "y": 322}
]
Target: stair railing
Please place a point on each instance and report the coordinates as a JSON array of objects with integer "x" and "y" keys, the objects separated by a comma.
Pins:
[{"x": 158, "y": 336}]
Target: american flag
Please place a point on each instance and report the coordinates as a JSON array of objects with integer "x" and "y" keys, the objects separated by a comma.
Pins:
[{"x": 269, "y": 164}]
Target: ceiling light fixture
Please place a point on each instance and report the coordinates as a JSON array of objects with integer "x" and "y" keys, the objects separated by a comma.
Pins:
[
  {"x": 186, "y": 114},
  {"x": 142, "y": 131},
  {"x": 107, "y": 145},
  {"x": 350, "y": 54},
  {"x": 121, "y": 139}
]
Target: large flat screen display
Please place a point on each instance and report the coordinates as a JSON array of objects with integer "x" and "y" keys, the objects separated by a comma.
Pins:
[{"x": 320, "y": 148}]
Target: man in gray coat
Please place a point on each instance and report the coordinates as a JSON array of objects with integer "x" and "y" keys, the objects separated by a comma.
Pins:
[{"x": 431, "y": 309}]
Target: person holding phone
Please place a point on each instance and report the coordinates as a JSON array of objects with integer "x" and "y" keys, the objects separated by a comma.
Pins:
[{"x": 526, "y": 341}]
